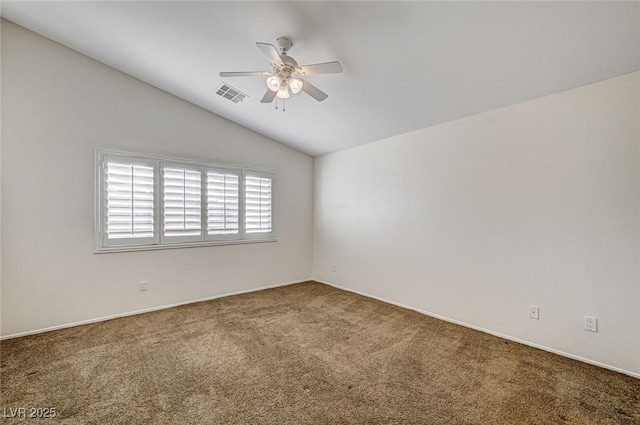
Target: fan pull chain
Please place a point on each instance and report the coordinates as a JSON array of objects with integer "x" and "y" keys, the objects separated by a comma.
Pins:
[{"x": 283, "y": 105}]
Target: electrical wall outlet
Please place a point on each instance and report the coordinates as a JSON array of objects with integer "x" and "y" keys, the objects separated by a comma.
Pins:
[
  {"x": 333, "y": 267},
  {"x": 591, "y": 324},
  {"x": 534, "y": 311},
  {"x": 144, "y": 285}
]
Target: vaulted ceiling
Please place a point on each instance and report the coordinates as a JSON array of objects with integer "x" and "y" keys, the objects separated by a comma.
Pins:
[{"x": 407, "y": 65}]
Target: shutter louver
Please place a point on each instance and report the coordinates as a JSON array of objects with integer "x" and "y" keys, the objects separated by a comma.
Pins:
[
  {"x": 129, "y": 200},
  {"x": 258, "y": 197},
  {"x": 182, "y": 207},
  {"x": 222, "y": 203}
]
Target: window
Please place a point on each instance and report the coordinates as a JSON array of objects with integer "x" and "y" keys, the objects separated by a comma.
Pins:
[
  {"x": 146, "y": 202},
  {"x": 223, "y": 203},
  {"x": 257, "y": 209},
  {"x": 181, "y": 203},
  {"x": 129, "y": 197}
]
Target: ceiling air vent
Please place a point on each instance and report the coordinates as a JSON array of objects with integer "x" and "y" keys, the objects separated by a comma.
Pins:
[{"x": 228, "y": 92}]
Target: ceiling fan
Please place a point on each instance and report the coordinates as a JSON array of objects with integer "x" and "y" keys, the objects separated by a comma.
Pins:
[{"x": 286, "y": 75}]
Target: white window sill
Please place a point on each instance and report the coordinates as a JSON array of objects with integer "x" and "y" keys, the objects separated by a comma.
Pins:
[{"x": 153, "y": 247}]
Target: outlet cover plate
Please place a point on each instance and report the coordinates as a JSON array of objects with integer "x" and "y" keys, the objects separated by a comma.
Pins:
[
  {"x": 590, "y": 324},
  {"x": 534, "y": 311}
]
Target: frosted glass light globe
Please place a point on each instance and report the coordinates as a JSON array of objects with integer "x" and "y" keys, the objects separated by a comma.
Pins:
[
  {"x": 295, "y": 85},
  {"x": 273, "y": 82}
]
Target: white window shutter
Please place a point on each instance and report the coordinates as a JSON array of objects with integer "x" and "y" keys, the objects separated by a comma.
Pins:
[
  {"x": 182, "y": 203},
  {"x": 258, "y": 205},
  {"x": 128, "y": 192},
  {"x": 223, "y": 207},
  {"x": 147, "y": 202}
]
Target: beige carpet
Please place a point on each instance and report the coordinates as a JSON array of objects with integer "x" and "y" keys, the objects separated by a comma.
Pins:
[{"x": 302, "y": 354}]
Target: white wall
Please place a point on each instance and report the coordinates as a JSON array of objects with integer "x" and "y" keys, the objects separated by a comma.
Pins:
[
  {"x": 535, "y": 203},
  {"x": 57, "y": 107}
]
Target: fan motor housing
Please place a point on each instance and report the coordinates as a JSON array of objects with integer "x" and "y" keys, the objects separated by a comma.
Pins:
[{"x": 289, "y": 62}]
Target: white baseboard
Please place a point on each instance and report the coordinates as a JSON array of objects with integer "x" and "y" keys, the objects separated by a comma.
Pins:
[
  {"x": 146, "y": 310},
  {"x": 478, "y": 328}
]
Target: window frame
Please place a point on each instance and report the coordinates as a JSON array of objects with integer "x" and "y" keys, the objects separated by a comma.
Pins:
[
  {"x": 160, "y": 207},
  {"x": 228, "y": 238},
  {"x": 101, "y": 237},
  {"x": 258, "y": 235},
  {"x": 101, "y": 242}
]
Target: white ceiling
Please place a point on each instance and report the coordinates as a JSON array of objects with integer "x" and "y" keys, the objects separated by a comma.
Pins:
[{"x": 407, "y": 65}]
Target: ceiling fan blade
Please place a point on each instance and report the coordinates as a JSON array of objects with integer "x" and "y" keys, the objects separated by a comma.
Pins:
[
  {"x": 320, "y": 68},
  {"x": 268, "y": 96},
  {"x": 271, "y": 52},
  {"x": 313, "y": 91},
  {"x": 245, "y": 74}
]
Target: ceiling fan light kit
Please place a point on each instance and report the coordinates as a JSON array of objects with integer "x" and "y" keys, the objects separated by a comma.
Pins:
[
  {"x": 295, "y": 85},
  {"x": 273, "y": 82},
  {"x": 285, "y": 77}
]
